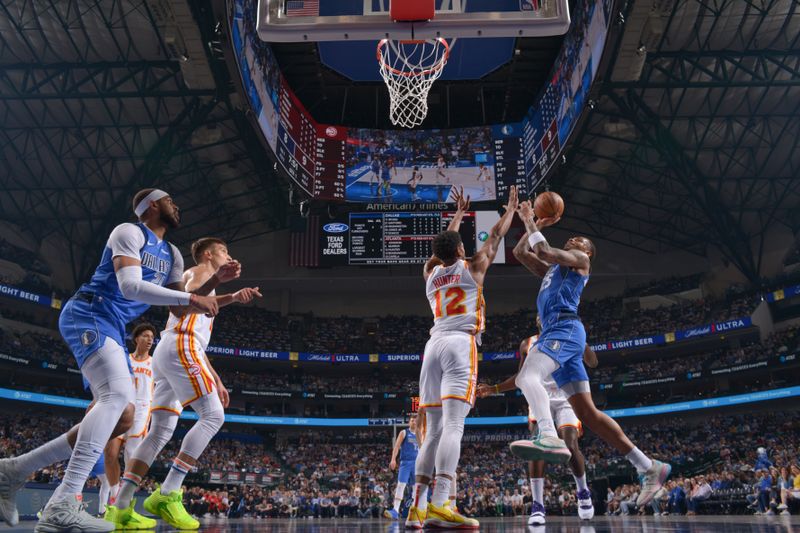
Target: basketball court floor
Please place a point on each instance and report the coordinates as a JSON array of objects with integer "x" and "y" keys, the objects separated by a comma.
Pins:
[{"x": 601, "y": 524}]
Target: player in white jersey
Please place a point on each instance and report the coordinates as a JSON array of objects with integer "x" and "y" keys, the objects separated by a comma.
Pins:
[
  {"x": 485, "y": 179},
  {"x": 569, "y": 429},
  {"x": 143, "y": 336},
  {"x": 183, "y": 376},
  {"x": 440, "y": 179},
  {"x": 449, "y": 372}
]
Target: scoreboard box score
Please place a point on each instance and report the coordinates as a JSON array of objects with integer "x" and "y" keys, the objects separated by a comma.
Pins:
[{"x": 396, "y": 238}]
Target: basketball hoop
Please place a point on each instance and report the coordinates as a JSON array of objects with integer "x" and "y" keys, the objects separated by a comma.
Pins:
[{"x": 409, "y": 69}]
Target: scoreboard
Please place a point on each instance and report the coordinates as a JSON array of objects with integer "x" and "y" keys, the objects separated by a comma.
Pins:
[
  {"x": 401, "y": 238},
  {"x": 398, "y": 238},
  {"x": 312, "y": 154}
]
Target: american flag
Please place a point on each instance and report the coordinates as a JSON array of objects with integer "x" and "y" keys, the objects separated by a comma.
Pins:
[
  {"x": 304, "y": 241},
  {"x": 302, "y": 8}
]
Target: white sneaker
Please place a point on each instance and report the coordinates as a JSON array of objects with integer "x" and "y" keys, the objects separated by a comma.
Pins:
[
  {"x": 10, "y": 483},
  {"x": 585, "y": 506},
  {"x": 786, "y": 512},
  {"x": 782, "y": 507},
  {"x": 69, "y": 515},
  {"x": 652, "y": 481},
  {"x": 549, "y": 449},
  {"x": 537, "y": 515}
]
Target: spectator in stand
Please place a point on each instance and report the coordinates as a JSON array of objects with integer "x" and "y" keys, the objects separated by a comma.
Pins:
[
  {"x": 677, "y": 498},
  {"x": 791, "y": 489},
  {"x": 701, "y": 491}
]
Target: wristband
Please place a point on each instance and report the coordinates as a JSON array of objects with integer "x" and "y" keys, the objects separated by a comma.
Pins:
[{"x": 535, "y": 238}]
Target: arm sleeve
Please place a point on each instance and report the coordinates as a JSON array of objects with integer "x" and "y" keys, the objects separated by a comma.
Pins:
[
  {"x": 126, "y": 240},
  {"x": 176, "y": 274},
  {"x": 133, "y": 287}
]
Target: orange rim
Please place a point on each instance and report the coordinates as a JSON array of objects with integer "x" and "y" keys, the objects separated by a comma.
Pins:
[{"x": 438, "y": 66}]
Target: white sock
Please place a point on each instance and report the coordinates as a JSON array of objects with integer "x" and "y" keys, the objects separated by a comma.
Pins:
[
  {"x": 398, "y": 495},
  {"x": 177, "y": 473},
  {"x": 640, "y": 461},
  {"x": 49, "y": 453},
  {"x": 537, "y": 489},
  {"x": 105, "y": 489},
  {"x": 127, "y": 488},
  {"x": 581, "y": 482},
  {"x": 421, "y": 496},
  {"x": 112, "y": 499},
  {"x": 441, "y": 490}
]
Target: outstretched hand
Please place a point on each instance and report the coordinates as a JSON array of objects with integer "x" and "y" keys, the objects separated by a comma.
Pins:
[
  {"x": 246, "y": 295},
  {"x": 525, "y": 210},
  {"x": 229, "y": 271},
  {"x": 513, "y": 199},
  {"x": 462, "y": 203},
  {"x": 484, "y": 390},
  {"x": 546, "y": 222}
]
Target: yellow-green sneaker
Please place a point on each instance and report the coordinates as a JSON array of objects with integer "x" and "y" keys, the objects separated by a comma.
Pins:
[
  {"x": 170, "y": 508},
  {"x": 128, "y": 519}
]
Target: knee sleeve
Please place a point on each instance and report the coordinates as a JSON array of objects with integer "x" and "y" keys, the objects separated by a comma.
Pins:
[
  {"x": 427, "y": 452},
  {"x": 212, "y": 415},
  {"x": 449, "y": 450},
  {"x": 162, "y": 426}
]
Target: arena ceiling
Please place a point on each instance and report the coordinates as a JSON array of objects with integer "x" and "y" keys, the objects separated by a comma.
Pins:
[{"x": 692, "y": 140}]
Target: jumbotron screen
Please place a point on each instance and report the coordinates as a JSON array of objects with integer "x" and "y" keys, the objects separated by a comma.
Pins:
[
  {"x": 398, "y": 237},
  {"x": 335, "y": 163}
]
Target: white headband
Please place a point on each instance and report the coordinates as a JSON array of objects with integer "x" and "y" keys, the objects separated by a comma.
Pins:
[{"x": 144, "y": 205}]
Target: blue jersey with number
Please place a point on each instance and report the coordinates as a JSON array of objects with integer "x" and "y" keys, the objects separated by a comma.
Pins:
[
  {"x": 156, "y": 257},
  {"x": 559, "y": 295},
  {"x": 409, "y": 448}
]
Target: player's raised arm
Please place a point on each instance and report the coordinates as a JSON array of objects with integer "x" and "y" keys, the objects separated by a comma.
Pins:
[
  {"x": 524, "y": 254},
  {"x": 573, "y": 257},
  {"x": 483, "y": 258},
  {"x": 462, "y": 206}
]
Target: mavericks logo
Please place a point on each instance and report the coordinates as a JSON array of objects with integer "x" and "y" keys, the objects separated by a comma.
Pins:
[{"x": 335, "y": 227}]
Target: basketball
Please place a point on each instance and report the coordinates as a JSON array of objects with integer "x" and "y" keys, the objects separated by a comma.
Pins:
[{"x": 548, "y": 205}]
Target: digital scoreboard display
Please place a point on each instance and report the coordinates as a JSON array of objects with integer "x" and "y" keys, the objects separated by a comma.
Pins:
[{"x": 401, "y": 238}]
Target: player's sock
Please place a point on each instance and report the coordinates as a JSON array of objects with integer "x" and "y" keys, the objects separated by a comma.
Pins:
[
  {"x": 441, "y": 490},
  {"x": 398, "y": 495},
  {"x": 453, "y": 492},
  {"x": 421, "y": 496},
  {"x": 177, "y": 473},
  {"x": 537, "y": 489},
  {"x": 105, "y": 490},
  {"x": 127, "y": 488},
  {"x": 112, "y": 498},
  {"x": 52, "y": 452},
  {"x": 113, "y": 392},
  {"x": 640, "y": 461},
  {"x": 581, "y": 482}
]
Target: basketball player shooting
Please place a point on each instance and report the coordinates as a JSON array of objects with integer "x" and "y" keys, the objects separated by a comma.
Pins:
[
  {"x": 448, "y": 377},
  {"x": 559, "y": 353}
]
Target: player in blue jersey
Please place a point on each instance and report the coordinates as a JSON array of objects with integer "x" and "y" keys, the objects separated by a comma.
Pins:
[
  {"x": 407, "y": 447},
  {"x": 559, "y": 353},
  {"x": 138, "y": 269}
]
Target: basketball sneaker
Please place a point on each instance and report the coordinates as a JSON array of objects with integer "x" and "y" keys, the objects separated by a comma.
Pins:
[
  {"x": 537, "y": 515},
  {"x": 548, "y": 449},
  {"x": 10, "y": 483},
  {"x": 415, "y": 518},
  {"x": 69, "y": 514},
  {"x": 445, "y": 518},
  {"x": 170, "y": 508},
  {"x": 128, "y": 519},
  {"x": 585, "y": 506},
  {"x": 391, "y": 514},
  {"x": 782, "y": 507},
  {"x": 652, "y": 481}
]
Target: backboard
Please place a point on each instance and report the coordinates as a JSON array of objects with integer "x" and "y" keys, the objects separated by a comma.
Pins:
[{"x": 369, "y": 20}]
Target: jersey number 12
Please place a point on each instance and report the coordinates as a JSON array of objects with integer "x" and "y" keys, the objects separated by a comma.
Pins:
[{"x": 455, "y": 306}]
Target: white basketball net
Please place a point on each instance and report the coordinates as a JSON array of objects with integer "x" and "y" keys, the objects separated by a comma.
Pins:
[{"x": 409, "y": 69}]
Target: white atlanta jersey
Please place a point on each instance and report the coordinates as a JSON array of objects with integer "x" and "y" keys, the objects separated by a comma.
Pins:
[
  {"x": 196, "y": 326},
  {"x": 143, "y": 380},
  {"x": 456, "y": 300}
]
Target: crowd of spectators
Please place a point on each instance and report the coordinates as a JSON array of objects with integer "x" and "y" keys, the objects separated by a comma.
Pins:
[
  {"x": 345, "y": 473},
  {"x": 670, "y": 285},
  {"x": 25, "y": 258}
]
